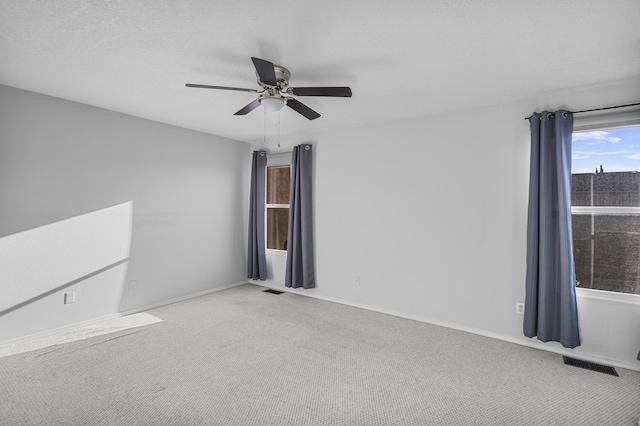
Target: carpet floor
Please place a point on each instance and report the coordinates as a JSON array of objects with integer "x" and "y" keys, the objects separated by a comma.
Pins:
[{"x": 245, "y": 357}]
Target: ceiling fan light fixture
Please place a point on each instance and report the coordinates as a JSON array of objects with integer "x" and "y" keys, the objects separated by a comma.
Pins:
[
  {"x": 272, "y": 104},
  {"x": 276, "y": 93}
]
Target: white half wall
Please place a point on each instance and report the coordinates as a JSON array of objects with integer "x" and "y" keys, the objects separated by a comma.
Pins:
[
  {"x": 189, "y": 191},
  {"x": 431, "y": 215}
]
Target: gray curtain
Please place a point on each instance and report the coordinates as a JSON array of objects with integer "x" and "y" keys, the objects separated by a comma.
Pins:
[
  {"x": 256, "y": 257},
  {"x": 300, "y": 266},
  {"x": 550, "y": 306}
]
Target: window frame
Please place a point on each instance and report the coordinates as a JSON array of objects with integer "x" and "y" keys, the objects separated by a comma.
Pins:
[
  {"x": 604, "y": 123},
  {"x": 274, "y": 159}
]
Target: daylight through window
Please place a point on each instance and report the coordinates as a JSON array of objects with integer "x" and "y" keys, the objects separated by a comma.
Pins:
[{"x": 605, "y": 199}]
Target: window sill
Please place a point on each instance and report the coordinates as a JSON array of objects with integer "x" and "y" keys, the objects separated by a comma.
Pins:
[
  {"x": 608, "y": 296},
  {"x": 277, "y": 252}
]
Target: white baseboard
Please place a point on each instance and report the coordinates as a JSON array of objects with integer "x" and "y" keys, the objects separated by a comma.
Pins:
[
  {"x": 181, "y": 298},
  {"x": 532, "y": 343}
]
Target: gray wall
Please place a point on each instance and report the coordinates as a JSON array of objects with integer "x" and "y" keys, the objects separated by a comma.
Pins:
[{"x": 61, "y": 159}]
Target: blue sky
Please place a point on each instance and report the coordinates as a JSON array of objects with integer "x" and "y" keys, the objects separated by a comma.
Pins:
[{"x": 617, "y": 150}]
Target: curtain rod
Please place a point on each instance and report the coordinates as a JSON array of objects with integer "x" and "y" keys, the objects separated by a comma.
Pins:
[{"x": 596, "y": 109}]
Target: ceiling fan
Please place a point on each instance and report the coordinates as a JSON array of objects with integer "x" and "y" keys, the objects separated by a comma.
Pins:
[{"x": 275, "y": 93}]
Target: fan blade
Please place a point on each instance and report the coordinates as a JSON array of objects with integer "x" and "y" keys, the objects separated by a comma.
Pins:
[
  {"x": 203, "y": 86},
  {"x": 266, "y": 71},
  {"x": 298, "y": 106},
  {"x": 344, "y": 92},
  {"x": 247, "y": 109}
]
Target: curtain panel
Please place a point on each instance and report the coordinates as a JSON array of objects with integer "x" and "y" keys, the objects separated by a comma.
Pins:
[
  {"x": 300, "y": 270},
  {"x": 550, "y": 305},
  {"x": 256, "y": 256}
]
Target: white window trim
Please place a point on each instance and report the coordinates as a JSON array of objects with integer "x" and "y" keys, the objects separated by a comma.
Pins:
[
  {"x": 276, "y": 251},
  {"x": 608, "y": 210},
  {"x": 280, "y": 158},
  {"x": 604, "y": 123},
  {"x": 608, "y": 296},
  {"x": 626, "y": 119},
  {"x": 273, "y": 206}
]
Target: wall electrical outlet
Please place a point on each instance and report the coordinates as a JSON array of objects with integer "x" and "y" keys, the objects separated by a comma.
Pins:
[
  {"x": 132, "y": 285},
  {"x": 357, "y": 281},
  {"x": 69, "y": 297},
  {"x": 520, "y": 308}
]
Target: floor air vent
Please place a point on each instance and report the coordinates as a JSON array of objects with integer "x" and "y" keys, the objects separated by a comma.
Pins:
[
  {"x": 272, "y": 291},
  {"x": 590, "y": 366}
]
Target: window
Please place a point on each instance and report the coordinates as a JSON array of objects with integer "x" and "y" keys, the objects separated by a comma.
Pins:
[
  {"x": 278, "y": 181},
  {"x": 605, "y": 199}
]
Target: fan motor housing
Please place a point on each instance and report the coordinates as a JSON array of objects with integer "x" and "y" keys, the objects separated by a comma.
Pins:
[{"x": 282, "y": 77}]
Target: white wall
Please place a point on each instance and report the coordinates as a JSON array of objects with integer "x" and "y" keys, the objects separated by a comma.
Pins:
[
  {"x": 431, "y": 215},
  {"x": 86, "y": 254},
  {"x": 60, "y": 159}
]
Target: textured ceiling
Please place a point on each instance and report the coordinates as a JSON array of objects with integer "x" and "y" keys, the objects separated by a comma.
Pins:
[{"x": 401, "y": 59}]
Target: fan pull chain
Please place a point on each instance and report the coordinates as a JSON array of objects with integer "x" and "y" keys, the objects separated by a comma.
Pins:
[
  {"x": 278, "y": 129},
  {"x": 264, "y": 138}
]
